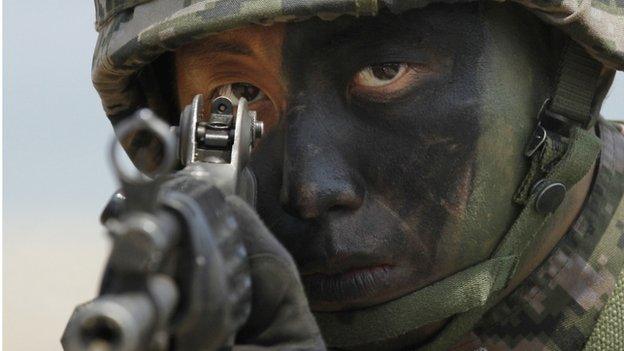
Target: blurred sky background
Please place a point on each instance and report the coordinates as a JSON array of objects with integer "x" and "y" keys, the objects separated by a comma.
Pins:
[{"x": 56, "y": 175}]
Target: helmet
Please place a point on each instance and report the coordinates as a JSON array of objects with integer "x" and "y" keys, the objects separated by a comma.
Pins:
[{"x": 134, "y": 33}]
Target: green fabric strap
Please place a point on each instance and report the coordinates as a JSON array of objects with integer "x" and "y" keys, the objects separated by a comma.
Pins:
[
  {"x": 608, "y": 334},
  {"x": 577, "y": 161},
  {"x": 578, "y": 80},
  {"x": 458, "y": 293}
]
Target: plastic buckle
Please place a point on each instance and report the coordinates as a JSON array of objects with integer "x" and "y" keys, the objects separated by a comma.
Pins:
[{"x": 548, "y": 122}]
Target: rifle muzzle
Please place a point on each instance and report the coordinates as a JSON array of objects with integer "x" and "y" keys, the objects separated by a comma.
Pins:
[{"x": 112, "y": 323}]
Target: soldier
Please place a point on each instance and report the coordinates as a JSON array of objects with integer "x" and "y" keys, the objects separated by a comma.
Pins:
[{"x": 439, "y": 172}]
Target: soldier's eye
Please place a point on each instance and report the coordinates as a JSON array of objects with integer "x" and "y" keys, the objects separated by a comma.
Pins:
[
  {"x": 385, "y": 81},
  {"x": 380, "y": 75},
  {"x": 235, "y": 91}
]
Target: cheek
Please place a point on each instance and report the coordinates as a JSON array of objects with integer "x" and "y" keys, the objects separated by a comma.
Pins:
[
  {"x": 421, "y": 155},
  {"x": 189, "y": 79},
  {"x": 184, "y": 89},
  {"x": 268, "y": 113}
]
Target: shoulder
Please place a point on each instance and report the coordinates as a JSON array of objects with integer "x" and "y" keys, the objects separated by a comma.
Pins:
[{"x": 617, "y": 124}]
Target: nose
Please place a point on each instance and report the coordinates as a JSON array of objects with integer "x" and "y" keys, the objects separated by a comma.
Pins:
[{"x": 316, "y": 176}]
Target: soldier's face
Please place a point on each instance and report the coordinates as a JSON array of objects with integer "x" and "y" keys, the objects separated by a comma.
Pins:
[{"x": 387, "y": 141}]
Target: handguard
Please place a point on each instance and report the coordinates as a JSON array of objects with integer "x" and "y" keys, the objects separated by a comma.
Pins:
[{"x": 177, "y": 277}]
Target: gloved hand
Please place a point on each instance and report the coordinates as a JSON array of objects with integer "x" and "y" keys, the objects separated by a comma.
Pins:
[{"x": 280, "y": 315}]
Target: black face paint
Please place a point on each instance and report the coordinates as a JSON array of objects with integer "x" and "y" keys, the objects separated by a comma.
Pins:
[{"x": 360, "y": 191}]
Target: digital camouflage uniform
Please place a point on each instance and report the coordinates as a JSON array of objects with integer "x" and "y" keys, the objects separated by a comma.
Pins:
[
  {"x": 557, "y": 306},
  {"x": 560, "y": 304}
]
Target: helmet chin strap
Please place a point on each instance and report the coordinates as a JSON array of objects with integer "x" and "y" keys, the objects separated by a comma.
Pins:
[{"x": 561, "y": 152}]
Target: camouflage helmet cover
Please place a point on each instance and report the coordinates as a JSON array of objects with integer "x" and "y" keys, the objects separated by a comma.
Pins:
[{"x": 133, "y": 33}]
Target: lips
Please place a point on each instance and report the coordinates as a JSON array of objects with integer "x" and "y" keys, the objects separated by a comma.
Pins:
[
  {"x": 347, "y": 282},
  {"x": 353, "y": 260}
]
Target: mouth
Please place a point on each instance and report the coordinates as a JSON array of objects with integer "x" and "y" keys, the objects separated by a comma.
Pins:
[{"x": 350, "y": 285}]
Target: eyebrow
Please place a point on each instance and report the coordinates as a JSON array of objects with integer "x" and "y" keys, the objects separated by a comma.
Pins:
[
  {"x": 220, "y": 47},
  {"x": 234, "y": 48}
]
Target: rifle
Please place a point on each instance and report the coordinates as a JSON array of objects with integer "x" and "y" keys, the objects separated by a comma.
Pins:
[{"x": 177, "y": 277}]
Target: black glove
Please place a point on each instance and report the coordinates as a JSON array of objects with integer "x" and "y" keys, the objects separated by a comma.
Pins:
[{"x": 280, "y": 315}]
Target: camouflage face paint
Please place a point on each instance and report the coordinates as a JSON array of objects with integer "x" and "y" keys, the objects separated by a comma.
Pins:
[
  {"x": 360, "y": 191},
  {"x": 378, "y": 197},
  {"x": 375, "y": 200}
]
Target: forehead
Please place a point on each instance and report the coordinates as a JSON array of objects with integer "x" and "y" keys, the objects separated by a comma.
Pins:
[
  {"x": 415, "y": 26},
  {"x": 247, "y": 41},
  {"x": 435, "y": 24}
]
